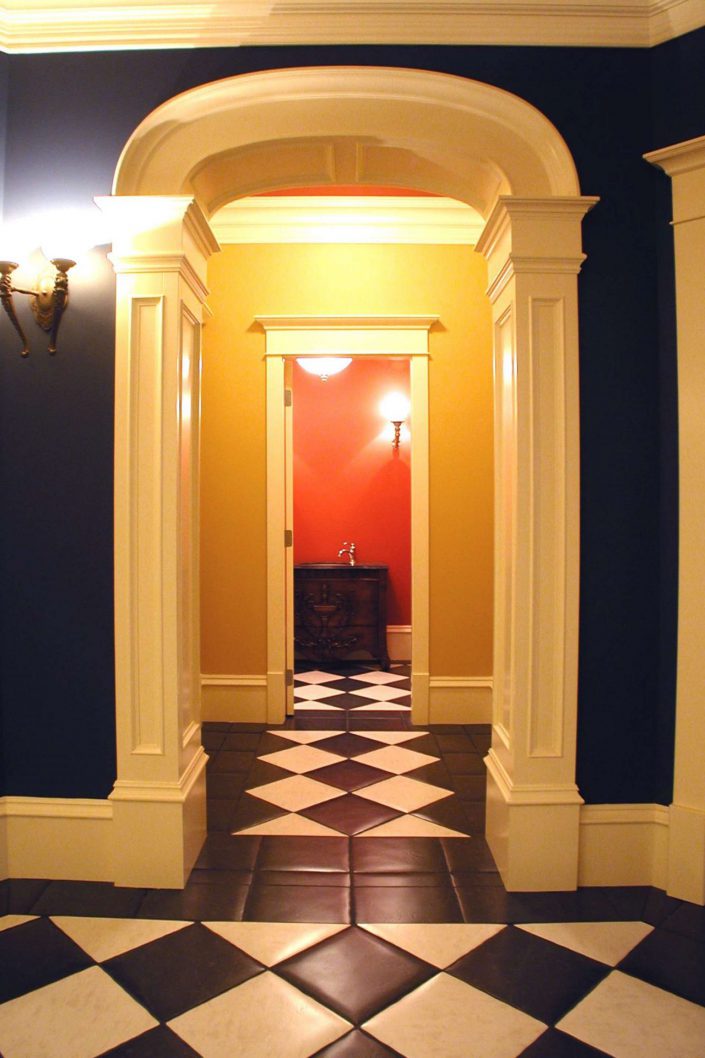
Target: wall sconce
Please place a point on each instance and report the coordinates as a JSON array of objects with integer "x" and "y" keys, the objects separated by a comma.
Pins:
[
  {"x": 68, "y": 237},
  {"x": 324, "y": 366},
  {"x": 395, "y": 409}
]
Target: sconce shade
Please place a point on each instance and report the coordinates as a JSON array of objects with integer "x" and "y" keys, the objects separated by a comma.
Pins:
[
  {"x": 16, "y": 242},
  {"x": 395, "y": 407},
  {"x": 324, "y": 366},
  {"x": 69, "y": 235}
]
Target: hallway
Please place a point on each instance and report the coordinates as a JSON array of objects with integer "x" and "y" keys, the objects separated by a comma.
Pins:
[{"x": 345, "y": 905}]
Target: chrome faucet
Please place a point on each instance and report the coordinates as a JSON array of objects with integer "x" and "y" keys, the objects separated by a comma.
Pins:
[{"x": 349, "y": 550}]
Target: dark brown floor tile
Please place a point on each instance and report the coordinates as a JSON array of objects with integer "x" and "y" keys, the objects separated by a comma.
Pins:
[
  {"x": 397, "y": 855},
  {"x": 304, "y": 854},
  {"x": 21, "y": 894},
  {"x": 212, "y": 740},
  {"x": 364, "y": 722},
  {"x": 400, "y": 879},
  {"x": 196, "y": 903},
  {"x": 210, "y": 876},
  {"x": 357, "y": 1044},
  {"x": 458, "y": 742},
  {"x": 447, "y": 813},
  {"x": 224, "y": 852},
  {"x": 688, "y": 920},
  {"x": 337, "y": 878},
  {"x": 483, "y": 903},
  {"x": 161, "y": 976},
  {"x": 544, "y": 980},
  {"x": 556, "y": 1044},
  {"x": 274, "y": 742},
  {"x": 464, "y": 763},
  {"x": 92, "y": 899},
  {"x": 243, "y": 741},
  {"x": 670, "y": 961},
  {"x": 157, "y": 1043},
  {"x": 658, "y": 906},
  {"x": 473, "y": 855},
  {"x": 355, "y": 973},
  {"x": 470, "y": 787},
  {"x": 475, "y": 815},
  {"x": 232, "y": 760},
  {"x": 446, "y": 729},
  {"x": 348, "y": 775},
  {"x": 263, "y": 772},
  {"x": 350, "y": 814},
  {"x": 347, "y": 745},
  {"x": 629, "y": 901},
  {"x": 253, "y": 810},
  {"x": 297, "y": 903},
  {"x": 219, "y": 815},
  {"x": 322, "y": 722},
  {"x": 437, "y": 774},
  {"x": 225, "y": 785},
  {"x": 420, "y": 904},
  {"x": 36, "y": 954},
  {"x": 425, "y": 744}
]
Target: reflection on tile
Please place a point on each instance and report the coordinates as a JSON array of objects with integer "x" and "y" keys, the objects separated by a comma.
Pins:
[
  {"x": 291, "y": 824},
  {"x": 411, "y": 826},
  {"x": 102, "y": 1015},
  {"x": 466, "y": 1020},
  {"x": 403, "y": 794},
  {"x": 301, "y": 759},
  {"x": 9, "y": 921},
  {"x": 396, "y": 759},
  {"x": 264, "y": 1017},
  {"x": 295, "y": 792},
  {"x": 439, "y": 943},
  {"x": 607, "y": 942},
  {"x": 103, "y": 938},
  {"x": 272, "y": 942},
  {"x": 630, "y": 1019}
]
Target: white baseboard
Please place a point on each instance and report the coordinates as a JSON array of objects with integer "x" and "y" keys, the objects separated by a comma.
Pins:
[
  {"x": 48, "y": 837},
  {"x": 399, "y": 642},
  {"x": 234, "y": 699},
  {"x": 460, "y": 700},
  {"x": 624, "y": 845}
]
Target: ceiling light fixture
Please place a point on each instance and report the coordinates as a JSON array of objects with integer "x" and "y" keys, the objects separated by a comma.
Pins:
[{"x": 324, "y": 366}]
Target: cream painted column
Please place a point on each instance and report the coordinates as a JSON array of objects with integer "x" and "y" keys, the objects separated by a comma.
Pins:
[
  {"x": 685, "y": 164},
  {"x": 160, "y": 249},
  {"x": 533, "y": 250}
]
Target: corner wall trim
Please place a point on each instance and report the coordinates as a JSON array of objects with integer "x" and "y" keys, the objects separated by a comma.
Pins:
[
  {"x": 54, "y": 837},
  {"x": 460, "y": 699},
  {"x": 234, "y": 699},
  {"x": 624, "y": 845}
]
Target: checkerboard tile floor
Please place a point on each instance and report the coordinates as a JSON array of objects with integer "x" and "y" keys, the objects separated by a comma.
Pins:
[{"x": 345, "y": 905}]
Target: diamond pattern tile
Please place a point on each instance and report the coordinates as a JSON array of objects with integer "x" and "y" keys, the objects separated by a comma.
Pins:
[
  {"x": 295, "y": 793},
  {"x": 302, "y": 759},
  {"x": 315, "y": 693},
  {"x": 382, "y": 693},
  {"x": 403, "y": 794},
  {"x": 350, "y": 814},
  {"x": 396, "y": 759}
]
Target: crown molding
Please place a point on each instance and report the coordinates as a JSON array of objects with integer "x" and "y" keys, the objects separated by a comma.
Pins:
[
  {"x": 326, "y": 219},
  {"x": 95, "y": 25}
]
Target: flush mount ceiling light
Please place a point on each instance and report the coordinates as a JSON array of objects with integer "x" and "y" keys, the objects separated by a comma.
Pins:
[
  {"x": 64, "y": 238},
  {"x": 324, "y": 366}
]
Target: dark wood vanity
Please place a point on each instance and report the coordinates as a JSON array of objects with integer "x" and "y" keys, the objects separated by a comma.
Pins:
[{"x": 340, "y": 612}]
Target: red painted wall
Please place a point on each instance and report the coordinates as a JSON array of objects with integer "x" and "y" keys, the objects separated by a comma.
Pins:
[{"x": 349, "y": 483}]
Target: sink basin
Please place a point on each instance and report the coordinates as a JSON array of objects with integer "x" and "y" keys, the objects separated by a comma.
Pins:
[{"x": 339, "y": 565}]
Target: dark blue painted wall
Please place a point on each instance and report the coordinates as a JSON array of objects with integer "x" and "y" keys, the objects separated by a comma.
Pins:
[{"x": 56, "y": 664}]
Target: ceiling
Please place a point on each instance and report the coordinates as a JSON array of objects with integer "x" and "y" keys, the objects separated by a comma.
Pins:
[{"x": 90, "y": 25}]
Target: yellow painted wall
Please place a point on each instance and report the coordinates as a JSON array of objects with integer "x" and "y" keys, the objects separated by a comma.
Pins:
[{"x": 249, "y": 281}]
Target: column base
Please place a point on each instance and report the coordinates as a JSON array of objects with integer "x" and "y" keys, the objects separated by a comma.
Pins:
[
  {"x": 159, "y": 828},
  {"x": 686, "y": 854},
  {"x": 533, "y": 833}
]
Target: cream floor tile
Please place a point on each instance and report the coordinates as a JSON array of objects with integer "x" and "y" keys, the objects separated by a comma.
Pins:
[
  {"x": 316, "y": 676},
  {"x": 78, "y": 1017},
  {"x": 449, "y": 1018},
  {"x": 302, "y": 758},
  {"x": 381, "y": 693},
  {"x": 607, "y": 942},
  {"x": 10, "y": 921},
  {"x": 380, "y": 677},
  {"x": 629, "y": 1018},
  {"x": 292, "y": 825},
  {"x": 103, "y": 938},
  {"x": 295, "y": 792},
  {"x": 263, "y": 1018},
  {"x": 404, "y": 794},
  {"x": 304, "y": 737},
  {"x": 272, "y": 942},
  {"x": 438, "y": 943},
  {"x": 396, "y": 759},
  {"x": 314, "y": 693},
  {"x": 392, "y": 738},
  {"x": 411, "y": 827},
  {"x": 384, "y": 707}
]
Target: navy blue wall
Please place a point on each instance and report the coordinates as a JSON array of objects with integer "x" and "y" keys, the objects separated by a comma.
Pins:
[{"x": 56, "y": 643}]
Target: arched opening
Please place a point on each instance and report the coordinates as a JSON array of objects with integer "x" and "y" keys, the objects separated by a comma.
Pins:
[{"x": 340, "y": 125}]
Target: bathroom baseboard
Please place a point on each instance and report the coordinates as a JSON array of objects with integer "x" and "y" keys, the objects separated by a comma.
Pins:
[
  {"x": 460, "y": 700},
  {"x": 399, "y": 642},
  {"x": 234, "y": 699}
]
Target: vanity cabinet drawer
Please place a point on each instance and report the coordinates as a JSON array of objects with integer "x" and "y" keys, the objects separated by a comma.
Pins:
[{"x": 340, "y": 612}]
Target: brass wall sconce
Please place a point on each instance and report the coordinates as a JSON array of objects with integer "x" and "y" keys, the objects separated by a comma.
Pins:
[
  {"x": 48, "y": 302},
  {"x": 395, "y": 409}
]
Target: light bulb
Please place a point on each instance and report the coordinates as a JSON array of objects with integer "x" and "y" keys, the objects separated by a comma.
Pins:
[
  {"x": 395, "y": 407},
  {"x": 324, "y": 366},
  {"x": 17, "y": 240},
  {"x": 70, "y": 234}
]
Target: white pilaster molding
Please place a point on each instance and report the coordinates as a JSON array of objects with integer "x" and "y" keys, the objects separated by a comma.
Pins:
[
  {"x": 160, "y": 249},
  {"x": 533, "y": 250},
  {"x": 685, "y": 164}
]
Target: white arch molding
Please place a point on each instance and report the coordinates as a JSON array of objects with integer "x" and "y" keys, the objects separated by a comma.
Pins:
[{"x": 348, "y": 125}]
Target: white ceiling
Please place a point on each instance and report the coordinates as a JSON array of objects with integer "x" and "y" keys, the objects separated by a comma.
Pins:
[{"x": 57, "y": 25}]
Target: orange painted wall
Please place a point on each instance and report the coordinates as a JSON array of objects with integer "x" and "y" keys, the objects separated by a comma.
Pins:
[{"x": 349, "y": 483}]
